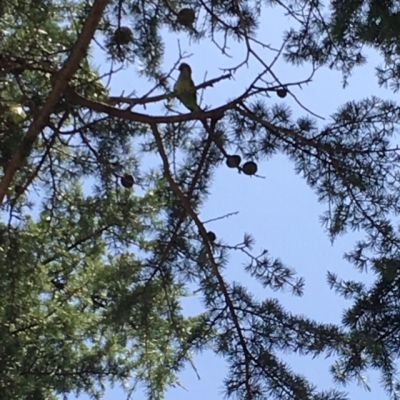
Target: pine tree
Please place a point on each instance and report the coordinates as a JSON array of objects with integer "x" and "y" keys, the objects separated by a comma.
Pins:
[{"x": 97, "y": 251}]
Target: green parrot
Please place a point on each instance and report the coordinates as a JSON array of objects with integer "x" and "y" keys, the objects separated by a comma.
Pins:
[{"x": 185, "y": 88}]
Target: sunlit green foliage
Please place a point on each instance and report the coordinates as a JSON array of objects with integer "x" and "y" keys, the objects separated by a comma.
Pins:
[{"x": 97, "y": 249}]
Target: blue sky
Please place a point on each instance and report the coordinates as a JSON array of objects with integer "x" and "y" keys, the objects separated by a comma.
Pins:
[{"x": 281, "y": 212}]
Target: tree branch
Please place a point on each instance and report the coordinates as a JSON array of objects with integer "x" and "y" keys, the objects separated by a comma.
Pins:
[
  {"x": 203, "y": 233},
  {"x": 61, "y": 79},
  {"x": 153, "y": 99}
]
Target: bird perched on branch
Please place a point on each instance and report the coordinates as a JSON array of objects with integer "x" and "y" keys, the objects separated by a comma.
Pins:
[{"x": 185, "y": 88}]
